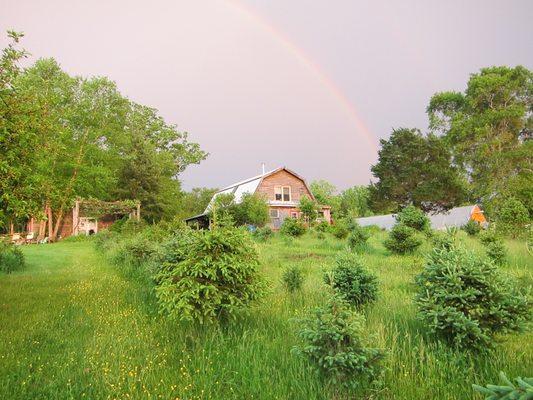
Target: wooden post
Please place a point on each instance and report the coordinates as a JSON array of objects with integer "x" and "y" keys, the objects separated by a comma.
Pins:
[{"x": 138, "y": 214}]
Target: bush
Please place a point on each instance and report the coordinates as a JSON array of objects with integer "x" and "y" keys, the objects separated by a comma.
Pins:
[
  {"x": 511, "y": 217},
  {"x": 322, "y": 226},
  {"x": 413, "y": 218},
  {"x": 11, "y": 258},
  {"x": 402, "y": 239},
  {"x": 340, "y": 229},
  {"x": 494, "y": 246},
  {"x": 212, "y": 276},
  {"x": 263, "y": 234},
  {"x": 352, "y": 281},
  {"x": 522, "y": 390},
  {"x": 292, "y": 227},
  {"x": 472, "y": 227},
  {"x": 496, "y": 252},
  {"x": 464, "y": 299},
  {"x": 292, "y": 279},
  {"x": 358, "y": 237},
  {"x": 334, "y": 341},
  {"x": 443, "y": 240}
]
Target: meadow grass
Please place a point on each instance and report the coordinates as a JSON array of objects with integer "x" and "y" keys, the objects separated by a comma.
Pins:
[{"x": 75, "y": 326}]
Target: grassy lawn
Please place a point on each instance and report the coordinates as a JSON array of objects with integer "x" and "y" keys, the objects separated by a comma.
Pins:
[{"x": 74, "y": 326}]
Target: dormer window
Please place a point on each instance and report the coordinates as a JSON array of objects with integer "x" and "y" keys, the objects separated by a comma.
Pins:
[{"x": 282, "y": 193}]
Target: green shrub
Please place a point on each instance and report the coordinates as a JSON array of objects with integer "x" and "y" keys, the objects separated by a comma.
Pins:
[
  {"x": 511, "y": 217},
  {"x": 357, "y": 237},
  {"x": 413, "y": 218},
  {"x": 442, "y": 240},
  {"x": 212, "y": 276},
  {"x": 263, "y": 234},
  {"x": 464, "y": 299},
  {"x": 351, "y": 280},
  {"x": 472, "y": 227},
  {"x": 292, "y": 227},
  {"x": 322, "y": 226},
  {"x": 103, "y": 239},
  {"x": 335, "y": 342},
  {"x": 292, "y": 279},
  {"x": 11, "y": 258},
  {"x": 402, "y": 239},
  {"x": 496, "y": 252},
  {"x": 523, "y": 389},
  {"x": 494, "y": 246},
  {"x": 340, "y": 229},
  {"x": 139, "y": 249}
]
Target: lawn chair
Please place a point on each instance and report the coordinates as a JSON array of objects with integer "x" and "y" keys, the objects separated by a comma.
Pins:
[{"x": 30, "y": 237}]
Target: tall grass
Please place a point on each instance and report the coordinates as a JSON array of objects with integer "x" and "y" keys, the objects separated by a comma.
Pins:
[{"x": 75, "y": 326}]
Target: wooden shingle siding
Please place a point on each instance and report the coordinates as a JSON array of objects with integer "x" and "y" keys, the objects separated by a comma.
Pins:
[{"x": 283, "y": 178}]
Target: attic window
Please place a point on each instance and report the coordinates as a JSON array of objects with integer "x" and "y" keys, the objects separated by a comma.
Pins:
[
  {"x": 283, "y": 193},
  {"x": 274, "y": 213}
]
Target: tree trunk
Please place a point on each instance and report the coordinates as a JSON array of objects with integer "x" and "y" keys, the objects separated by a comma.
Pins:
[{"x": 49, "y": 216}]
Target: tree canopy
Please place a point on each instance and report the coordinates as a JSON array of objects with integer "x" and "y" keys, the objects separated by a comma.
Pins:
[{"x": 64, "y": 137}]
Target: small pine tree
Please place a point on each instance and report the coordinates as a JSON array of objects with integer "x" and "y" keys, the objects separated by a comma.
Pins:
[
  {"x": 335, "y": 342},
  {"x": 402, "y": 239},
  {"x": 292, "y": 279},
  {"x": 357, "y": 237},
  {"x": 413, "y": 218},
  {"x": 522, "y": 390},
  {"x": 292, "y": 227},
  {"x": 466, "y": 300},
  {"x": 352, "y": 281}
]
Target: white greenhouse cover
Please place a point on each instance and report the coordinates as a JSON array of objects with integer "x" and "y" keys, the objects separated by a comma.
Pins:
[{"x": 456, "y": 217}]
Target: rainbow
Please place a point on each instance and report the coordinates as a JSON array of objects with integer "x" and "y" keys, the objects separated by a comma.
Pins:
[{"x": 312, "y": 66}]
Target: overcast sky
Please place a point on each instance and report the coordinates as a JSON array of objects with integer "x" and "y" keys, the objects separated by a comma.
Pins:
[{"x": 311, "y": 85}]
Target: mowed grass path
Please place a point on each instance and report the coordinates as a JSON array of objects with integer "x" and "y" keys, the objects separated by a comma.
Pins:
[{"x": 73, "y": 326}]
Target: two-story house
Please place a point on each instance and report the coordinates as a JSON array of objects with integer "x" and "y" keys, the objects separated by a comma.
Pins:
[{"x": 281, "y": 188}]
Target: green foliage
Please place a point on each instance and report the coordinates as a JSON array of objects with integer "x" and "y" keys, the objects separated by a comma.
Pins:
[
  {"x": 354, "y": 203},
  {"x": 322, "y": 226},
  {"x": 195, "y": 202},
  {"x": 496, "y": 252},
  {"x": 292, "y": 279},
  {"x": 443, "y": 240},
  {"x": 472, "y": 227},
  {"x": 252, "y": 210},
  {"x": 414, "y": 218},
  {"x": 11, "y": 258},
  {"x": 339, "y": 229},
  {"x": 335, "y": 342},
  {"x": 511, "y": 217},
  {"x": 324, "y": 193},
  {"x": 522, "y": 390},
  {"x": 414, "y": 169},
  {"x": 465, "y": 299},
  {"x": 213, "y": 278},
  {"x": 494, "y": 246},
  {"x": 263, "y": 234},
  {"x": 309, "y": 209},
  {"x": 488, "y": 128},
  {"x": 402, "y": 239},
  {"x": 65, "y": 137},
  {"x": 352, "y": 281},
  {"x": 358, "y": 236},
  {"x": 292, "y": 227}
]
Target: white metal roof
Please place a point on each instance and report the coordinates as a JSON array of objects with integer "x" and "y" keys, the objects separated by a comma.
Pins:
[{"x": 456, "y": 217}]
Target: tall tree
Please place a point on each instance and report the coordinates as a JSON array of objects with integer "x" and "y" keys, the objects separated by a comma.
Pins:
[
  {"x": 355, "y": 202},
  {"x": 325, "y": 194},
  {"x": 489, "y": 128},
  {"x": 17, "y": 138},
  {"x": 415, "y": 170}
]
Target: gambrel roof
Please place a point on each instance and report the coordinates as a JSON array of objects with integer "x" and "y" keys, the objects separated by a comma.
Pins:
[{"x": 250, "y": 185}]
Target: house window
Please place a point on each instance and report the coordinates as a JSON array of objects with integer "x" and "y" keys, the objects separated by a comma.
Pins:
[
  {"x": 283, "y": 193},
  {"x": 274, "y": 213},
  {"x": 294, "y": 215}
]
